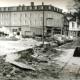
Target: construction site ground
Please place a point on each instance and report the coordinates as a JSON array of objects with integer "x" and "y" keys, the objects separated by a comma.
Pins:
[{"x": 48, "y": 63}]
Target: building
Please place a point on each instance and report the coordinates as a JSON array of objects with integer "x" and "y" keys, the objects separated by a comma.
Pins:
[
  {"x": 28, "y": 20},
  {"x": 74, "y": 27}
]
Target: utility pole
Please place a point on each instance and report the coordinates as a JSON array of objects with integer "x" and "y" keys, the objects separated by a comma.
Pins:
[{"x": 43, "y": 25}]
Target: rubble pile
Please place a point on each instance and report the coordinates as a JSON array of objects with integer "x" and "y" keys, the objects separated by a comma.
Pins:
[
  {"x": 60, "y": 39},
  {"x": 43, "y": 63},
  {"x": 72, "y": 45}
]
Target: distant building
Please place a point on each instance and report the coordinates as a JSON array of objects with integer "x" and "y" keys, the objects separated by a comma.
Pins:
[
  {"x": 29, "y": 19},
  {"x": 74, "y": 27}
]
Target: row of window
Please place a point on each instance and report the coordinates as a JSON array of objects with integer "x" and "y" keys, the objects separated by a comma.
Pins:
[
  {"x": 15, "y": 30},
  {"x": 4, "y": 23},
  {"x": 25, "y": 22},
  {"x": 29, "y": 22},
  {"x": 74, "y": 24},
  {"x": 4, "y": 15},
  {"x": 24, "y": 15},
  {"x": 30, "y": 8},
  {"x": 21, "y": 22}
]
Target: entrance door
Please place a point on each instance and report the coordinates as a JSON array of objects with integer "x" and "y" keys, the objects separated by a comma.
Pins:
[{"x": 78, "y": 33}]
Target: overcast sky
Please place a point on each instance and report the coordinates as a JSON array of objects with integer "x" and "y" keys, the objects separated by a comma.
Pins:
[{"x": 57, "y": 3}]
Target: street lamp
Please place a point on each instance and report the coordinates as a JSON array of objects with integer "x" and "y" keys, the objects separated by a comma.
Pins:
[{"x": 43, "y": 26}]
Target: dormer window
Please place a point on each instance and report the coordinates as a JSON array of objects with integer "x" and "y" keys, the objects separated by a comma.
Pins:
[
  {"x": 57, "y": 9},
  {"x": 6, "y": 8},
  {"x": 25, "y": 7},
  {"x": 41, "y": 7},
  {"x": 49, "y": 7},
  {"x": 54, "y": 8},
  {"x": 2, "y": 9},
  {"x": 20, "y": 8},
  {"x": 15, "y": 8},
  {"x": 35, "y": 7},
  {"x": 30, "y": 7}
]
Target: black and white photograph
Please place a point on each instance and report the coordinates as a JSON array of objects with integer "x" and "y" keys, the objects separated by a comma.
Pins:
[{"x": 39, "y": 39}]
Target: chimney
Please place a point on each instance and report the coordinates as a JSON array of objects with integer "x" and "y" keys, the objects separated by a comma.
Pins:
[
  {"x": 32, "y": 3},
  {"x": 42, "y": 3}
]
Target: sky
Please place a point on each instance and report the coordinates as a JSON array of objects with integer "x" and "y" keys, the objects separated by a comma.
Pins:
[{"x": 62, "y": 4}]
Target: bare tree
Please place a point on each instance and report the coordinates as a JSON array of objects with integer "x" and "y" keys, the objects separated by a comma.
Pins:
[
  {"x": 74, "y": 6},
  {"x": 70, "y": 6}
]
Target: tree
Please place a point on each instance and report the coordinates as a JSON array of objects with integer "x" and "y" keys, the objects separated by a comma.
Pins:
[
  {"x": 70, "y": 6},
  {"x": 77, "y": 5},
  {"x": 74, "y": 6}
]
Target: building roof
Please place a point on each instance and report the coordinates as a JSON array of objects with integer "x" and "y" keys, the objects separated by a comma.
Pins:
[
  {"x": 73, "y": 19},
  {"x": 32, "y": 7}
]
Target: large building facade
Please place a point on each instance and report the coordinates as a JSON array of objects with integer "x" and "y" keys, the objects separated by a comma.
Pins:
[{"x": 28, "y": 20}]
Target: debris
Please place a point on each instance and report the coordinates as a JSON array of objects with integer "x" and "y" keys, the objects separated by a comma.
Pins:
[{"x": 22, "y": 66}]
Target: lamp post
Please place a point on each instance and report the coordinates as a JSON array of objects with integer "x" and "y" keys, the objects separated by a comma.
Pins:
[{"x": 43, "y": 26}]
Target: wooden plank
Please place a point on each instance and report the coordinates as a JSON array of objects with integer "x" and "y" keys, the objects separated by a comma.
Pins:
[{"x": 22, "y": 65}]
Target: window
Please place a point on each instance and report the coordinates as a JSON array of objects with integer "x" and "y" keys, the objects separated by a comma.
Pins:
[
  {"x": 2, "y": 9},
  {"x": 34, "y": 22},
  {"x": 25, "y": 15},
  {"x": 1, "y": 15},
  {"x": 2, "y": 23},
  {"x": 35, "y": 7},
  {"x": 19, "y": 29},
  {"x": 28, "y": 22},
  {"x": 57, "y": 9},
  {"x": 25, "y": 7},
  {"x": 20, "y": 8},
  {"x": 6, "y": 22},
  {"x": 30, "y": 7},
  {"x": 34, "y": 15},
  {"x": 54, "y": 8},
  {"x": 6, "y": 9},
  {"x": 13, "y": 22},
  {"x": 7, "y": 15},
  {"x": 41, "y": 7},
  {"x": 73, "y": 24},
  {"x": 25, "y": 22},
  {"x": 49, "y": 7},
  {"x": 78, "y": 24},
  {"x": 14, "y": 15},
  {"x": 14, "y": 30},
  {"x": 29, "y": 15},
  {"x": 15, "y": 8},
  {"x": 20, "y": 15}
]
